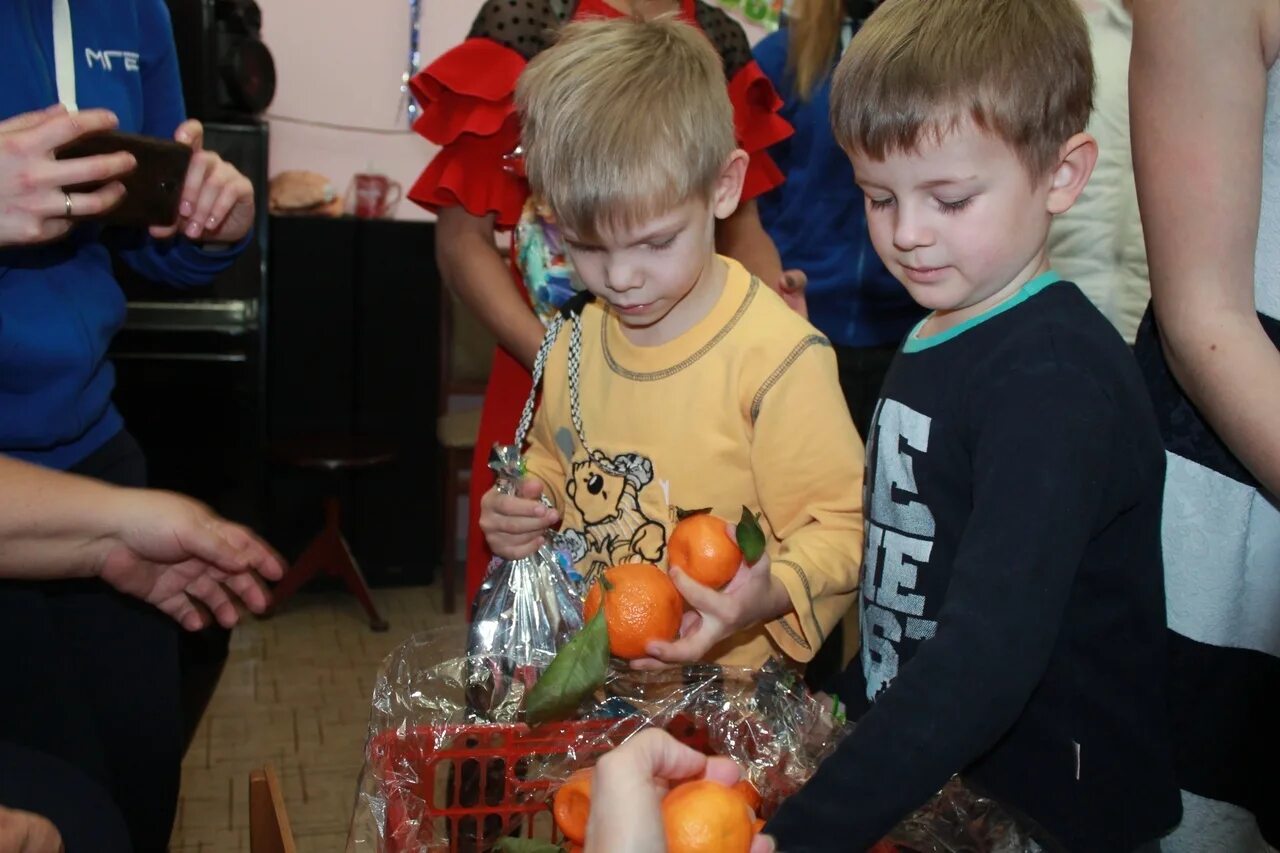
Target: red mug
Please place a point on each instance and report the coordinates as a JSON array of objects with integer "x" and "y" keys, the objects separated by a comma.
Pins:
[{"x": 375, "y": 195}]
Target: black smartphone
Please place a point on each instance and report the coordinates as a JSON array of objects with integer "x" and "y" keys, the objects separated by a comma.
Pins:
[{"x": 153, "y": 189}]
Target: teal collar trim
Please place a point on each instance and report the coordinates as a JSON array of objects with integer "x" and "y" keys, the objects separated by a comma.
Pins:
[{"x": 915, "y": 343}]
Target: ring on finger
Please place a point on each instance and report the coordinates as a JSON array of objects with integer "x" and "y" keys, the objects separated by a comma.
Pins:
[{"x": 67, "y": 198}]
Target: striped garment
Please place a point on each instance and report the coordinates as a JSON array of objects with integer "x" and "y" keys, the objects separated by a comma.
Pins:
[{"x": 1221, "y": 539}]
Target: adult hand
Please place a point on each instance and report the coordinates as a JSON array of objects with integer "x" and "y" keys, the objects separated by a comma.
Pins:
[
  {"x": 217, "y": 204},
  {"x": 173, "y": 552},
  {"x": 630, "y": 782},
  {"x": 34, "y": 207},
  {"x": 24, "y": 832},
  {"x": 791, "y": 288}
]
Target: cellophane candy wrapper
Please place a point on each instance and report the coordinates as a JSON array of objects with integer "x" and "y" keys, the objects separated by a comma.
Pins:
[
  {"x": 960, "y": 820},
  {"x": 526, "y": 609},
  {"x": 437, "y": 776}
]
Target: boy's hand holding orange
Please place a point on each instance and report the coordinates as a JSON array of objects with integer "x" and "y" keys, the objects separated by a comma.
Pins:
[
  {"x": 641, "y": 605},
  {"x": 751, "y": 596},
  {"x": 514, "y": 525}
]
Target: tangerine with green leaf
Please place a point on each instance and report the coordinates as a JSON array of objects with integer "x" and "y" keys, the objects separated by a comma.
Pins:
[
  {"x": 701, "y": 547},
  {"x": 640, "y": 604}
]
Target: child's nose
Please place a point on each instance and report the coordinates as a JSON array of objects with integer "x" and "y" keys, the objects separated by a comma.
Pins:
[
  {"x": 622, "y": 276},
  {"x": 910, "y": 231}
]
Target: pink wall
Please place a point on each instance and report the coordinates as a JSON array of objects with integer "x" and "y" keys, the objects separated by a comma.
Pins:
[{"x": 340, "y": 61}]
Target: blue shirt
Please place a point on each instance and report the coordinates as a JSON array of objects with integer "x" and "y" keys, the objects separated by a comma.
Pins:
[
  {"x": 60, "y": 305},
  {"x": 818, "y": 221}
]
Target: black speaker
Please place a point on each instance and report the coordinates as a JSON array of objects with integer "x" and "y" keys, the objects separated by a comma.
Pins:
[{"x": 227, "y": 72}]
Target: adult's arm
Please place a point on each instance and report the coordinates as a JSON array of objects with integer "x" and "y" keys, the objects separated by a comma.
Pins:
[
  {"x": 473, "y": 268},
  {"x": 1197, "y": 94},
  {"x": 160, "y": 547},
  {"x": 743, "y": 238}
]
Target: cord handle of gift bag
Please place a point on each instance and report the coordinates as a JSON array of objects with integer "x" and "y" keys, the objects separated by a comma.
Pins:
[{"x": 571, "y": 313}]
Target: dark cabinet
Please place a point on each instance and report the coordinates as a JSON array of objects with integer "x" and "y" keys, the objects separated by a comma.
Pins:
[
  {"x": 190, "y": 362},
  {"x": 352, "y": 326}
]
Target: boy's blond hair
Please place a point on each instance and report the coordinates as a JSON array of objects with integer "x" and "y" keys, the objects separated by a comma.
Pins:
[
  {"x": 1021, "y": 69},
  {"x": 623, "y": 120}
]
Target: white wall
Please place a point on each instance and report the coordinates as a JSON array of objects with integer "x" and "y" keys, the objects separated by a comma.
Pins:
[{"x": 340, "y": 61}]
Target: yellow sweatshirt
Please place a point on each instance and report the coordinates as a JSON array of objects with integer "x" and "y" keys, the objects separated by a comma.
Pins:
[{"x": 743, "y": 409}]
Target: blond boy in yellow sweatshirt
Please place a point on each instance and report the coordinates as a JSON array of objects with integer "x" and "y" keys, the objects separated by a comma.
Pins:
[{"x": 698, "y": 387}]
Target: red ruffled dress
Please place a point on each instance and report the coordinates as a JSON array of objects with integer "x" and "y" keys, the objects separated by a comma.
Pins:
[{"x": 467, "y": 98}]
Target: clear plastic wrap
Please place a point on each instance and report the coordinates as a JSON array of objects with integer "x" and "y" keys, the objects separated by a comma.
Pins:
[
  {"x": 437, "y": 777},
  {"x": 960, "y": 820},
  {"x": 525, "y": 610}
]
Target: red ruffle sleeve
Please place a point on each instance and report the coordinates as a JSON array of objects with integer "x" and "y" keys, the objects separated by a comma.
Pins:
[
  {"x": 758, "y": 125},
  {"x": 468, "y": 108}
]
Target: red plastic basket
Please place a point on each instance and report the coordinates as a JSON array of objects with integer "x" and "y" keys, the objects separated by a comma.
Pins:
[{"x": 464, "y": 787}]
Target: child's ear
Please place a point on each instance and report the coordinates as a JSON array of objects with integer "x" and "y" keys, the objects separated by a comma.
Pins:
[
  {"x": 1076, "y": 160},
  {"x": 728, "y": 188}
]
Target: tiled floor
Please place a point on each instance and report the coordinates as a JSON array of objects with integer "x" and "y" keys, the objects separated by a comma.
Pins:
[{"x": 296, "y": 693}]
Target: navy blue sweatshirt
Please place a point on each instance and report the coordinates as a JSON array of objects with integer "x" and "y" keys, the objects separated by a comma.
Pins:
[
  {"x": 60, "y": 304},
  {"x": 1012, "y": 595},
  {"x": 818, "y": 221}
]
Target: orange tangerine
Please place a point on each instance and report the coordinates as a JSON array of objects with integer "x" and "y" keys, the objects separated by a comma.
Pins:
[
  {"x": 642, "y": 604},
  {"x": 572, "y": 805},
  {"x": 706, "y": 817},
  {"x": 700, "y": 545}
]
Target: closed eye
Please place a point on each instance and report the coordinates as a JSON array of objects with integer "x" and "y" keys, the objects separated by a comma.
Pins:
[
  {"x": 659, "y": 245},
  {"x": 880, "y": 203},
  {"x": 954, "y": 206}
]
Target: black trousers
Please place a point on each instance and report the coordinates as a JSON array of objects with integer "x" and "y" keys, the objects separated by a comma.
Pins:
[
  {"x": 78, "y": 806},
  {"x": 862, "y": 371},
  {"x": 90, "y": 677}
]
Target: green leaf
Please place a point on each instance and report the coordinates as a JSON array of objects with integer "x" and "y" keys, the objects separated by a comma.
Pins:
[
  {"x": 527, "y": 845},
  {"x": 750, "y": 537},
  {"x": 578, "y": 671},
  {"x": 682, "y": 514}
]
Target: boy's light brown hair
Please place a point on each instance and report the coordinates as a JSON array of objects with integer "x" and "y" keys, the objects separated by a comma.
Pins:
[
  {"x": 1021, "y": 69},
  {"x": 622, "y": 120}
]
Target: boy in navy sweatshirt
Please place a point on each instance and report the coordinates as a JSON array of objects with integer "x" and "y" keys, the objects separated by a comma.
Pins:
[{"x": 1012, "y": 595}]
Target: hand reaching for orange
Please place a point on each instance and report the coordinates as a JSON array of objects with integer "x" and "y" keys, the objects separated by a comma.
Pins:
[
  {"x": 705, "y": 816},
  {"x": 633, "y": 806}
]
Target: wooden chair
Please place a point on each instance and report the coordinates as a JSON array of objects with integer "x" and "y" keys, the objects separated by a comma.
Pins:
[
  {"x": 269, "y": 830},
  {"x": 466, "y": 357}
]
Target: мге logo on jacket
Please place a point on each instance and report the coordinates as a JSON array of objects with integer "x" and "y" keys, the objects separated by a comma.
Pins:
[{"x": 109, "y": 60}]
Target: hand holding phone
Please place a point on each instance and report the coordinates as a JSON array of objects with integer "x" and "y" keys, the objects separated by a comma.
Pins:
[
  {"x": 153, "y": 190},
  {"x": 217, "y": 204},
  {"x": 34, "y": 206}
]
